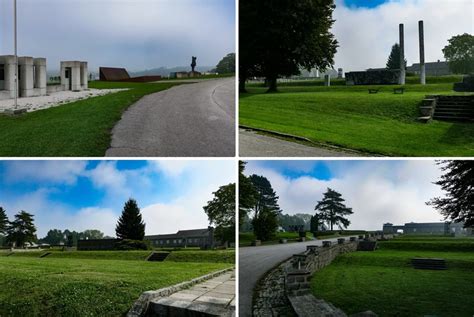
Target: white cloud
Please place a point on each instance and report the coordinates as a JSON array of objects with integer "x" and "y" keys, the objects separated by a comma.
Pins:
[
  {"x": 366, "y": 35},
  {"x": 377, "y": 191},
  {"x": 44, "y": 171},
  {"x": 106, "y": 176}
]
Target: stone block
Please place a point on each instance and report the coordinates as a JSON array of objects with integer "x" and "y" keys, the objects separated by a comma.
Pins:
[
  {"x": 352, "y": 239},
  {"x": 341, "y": 241},
  {"x": 327, "y": 244}
]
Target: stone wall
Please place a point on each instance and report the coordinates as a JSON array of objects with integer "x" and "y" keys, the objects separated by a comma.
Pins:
[{"x": 373, "y": 77}]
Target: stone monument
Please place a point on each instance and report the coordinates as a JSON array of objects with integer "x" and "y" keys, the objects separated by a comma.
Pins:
[
  {"x": 422, "y": 53},
  {"x": 402, "y": 56}
]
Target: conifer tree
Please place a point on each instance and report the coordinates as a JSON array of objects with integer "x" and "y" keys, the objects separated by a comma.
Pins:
[{"x": 130, "y": 224}]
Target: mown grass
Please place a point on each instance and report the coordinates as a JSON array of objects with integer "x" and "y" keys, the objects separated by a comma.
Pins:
[
  {"x": 81, "y": 128},
  {"x": 385, "y": 282},
  {"x": 350, "y": 117},
  {"x": 246, "y": 238},
  {"x": 60, "y": 285}
]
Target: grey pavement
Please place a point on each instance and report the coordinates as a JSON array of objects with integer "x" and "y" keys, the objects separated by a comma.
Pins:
[
  {"x": 253, "y": 144},
  {"x": 254, "y": 262},
  {"x": 192, "y": 120}
]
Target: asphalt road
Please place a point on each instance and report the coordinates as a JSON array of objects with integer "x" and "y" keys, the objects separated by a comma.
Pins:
[
  {"x": 254, "y": 262},
  {"x": 252, "y": 144},
  {"x": 192, "y": 120}
]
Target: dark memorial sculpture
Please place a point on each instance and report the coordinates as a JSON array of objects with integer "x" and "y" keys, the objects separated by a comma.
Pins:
[{"x": 193, "y": 63}]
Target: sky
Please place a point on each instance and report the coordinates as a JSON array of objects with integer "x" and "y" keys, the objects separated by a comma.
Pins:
[
  {"x": 377, "y": 191},
  {"x": 81, "y": 195},
  {"x": 136, "y": 34},
  {"x": 367, "y": 29}
]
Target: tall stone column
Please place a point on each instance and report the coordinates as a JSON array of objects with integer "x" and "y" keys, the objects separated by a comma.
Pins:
[
  {"x": 84, "y": 75},
  {"x": 402, "y": 56},
  {"x": 40, "y": 75},
  {"x": 422, "y": 53},
  {"x": 26, "y": 76}
]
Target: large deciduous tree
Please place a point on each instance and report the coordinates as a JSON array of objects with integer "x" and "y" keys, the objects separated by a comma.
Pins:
[
  {"x": 247, "y": 193},
  {"x": 458, "y": 183},
  {"x": 333, "y": 210},
  {"x": 266, "y": 209},
  {"x": 130, "y": 224},
  {"x": 227, "y": 64},
  {"x": 393, "y": 61},
  {"x": 278, "y": 38},
  {"x": 460, "y": 53},
  {"x": 221, "y": 212},
  {"x": 22, "y": 229}
]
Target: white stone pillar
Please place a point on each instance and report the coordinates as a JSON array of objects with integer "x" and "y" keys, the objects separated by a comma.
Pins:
[
  {"x": 26, "y": 76},
  {"x": 84, "y": 76},
  {"x": 76, "y": 76},
  {"x": 327, "y": 80},
  {"x": 402, "y": 56},
  {"x": 40, "y": 75},
  {"x": 9, "y": 84}
]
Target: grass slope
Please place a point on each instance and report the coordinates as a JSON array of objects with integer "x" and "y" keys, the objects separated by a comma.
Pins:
[
  {"x": 384, "y": 281},
  {"x": 62, "y": 286},
  {"x": 348, "y": 116},
  {"x": 81, "y": 128}
]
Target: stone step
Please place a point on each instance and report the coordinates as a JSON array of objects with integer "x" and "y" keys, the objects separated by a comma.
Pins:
[
  {"x": 45, "y": 254},
  {"x": 182, "y": 308},
  {"x": 310, "y": 306},
  {"x": 157, "y": 256}
]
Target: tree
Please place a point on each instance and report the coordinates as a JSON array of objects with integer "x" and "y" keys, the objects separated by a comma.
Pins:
[
  {"x": 460, "y": 53},
  {"x": 333, "y": 210},
  {"x": 3, "y": 221},
  {"x": 278, "y": 38},
  {"x": 130, "y": 224},
  {"x": 22, "y": 229},
  {"x": 221, "y": 212},
  {"x": 393, "y": 61},
  {"x": 247, "y": 193},
  {"x": 458, "y": 183},
  {"x": 266, "y": 209},
  {"x": 226, "y": 65},
  {"x": 316, "y": 224},
  {"x": 92, "y": 234},
  {"x": 54, "y": 237}
]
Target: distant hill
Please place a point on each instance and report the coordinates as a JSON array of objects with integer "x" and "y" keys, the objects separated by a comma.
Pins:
[{"x": 164, "y": 71}]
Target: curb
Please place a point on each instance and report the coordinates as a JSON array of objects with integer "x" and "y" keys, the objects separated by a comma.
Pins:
[{"x": 140, "y": 306}]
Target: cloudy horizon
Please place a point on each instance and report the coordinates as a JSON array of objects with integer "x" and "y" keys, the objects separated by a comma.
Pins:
[
  {"x": 367, "y": 29},
  {"x": 378, "y": 191},
  {"x": 135, "y": 34},
  {"x": 80, "y": 195}
]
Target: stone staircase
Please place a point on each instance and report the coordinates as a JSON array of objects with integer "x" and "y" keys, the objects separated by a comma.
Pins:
[
  {"x": 157, "y": 256},
  {"x": 450, "y": 108},
  {"x": 45, "y": 254},
  {"x": 428, "y": 264},
  {"x": 308, "y": 305}
]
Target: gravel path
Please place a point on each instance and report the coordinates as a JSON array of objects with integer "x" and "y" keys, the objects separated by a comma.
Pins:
[
  {"x": 188, "y": 120},
  {"x": 53, "y": 99},
  {"x": 252, "y": 144}
]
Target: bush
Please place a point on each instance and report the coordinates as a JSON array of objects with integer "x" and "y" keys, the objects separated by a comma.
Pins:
[{"x": 127, "y": 244}]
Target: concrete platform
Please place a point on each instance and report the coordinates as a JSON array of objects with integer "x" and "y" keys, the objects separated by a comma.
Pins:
[{"x": 214, "y": 297}]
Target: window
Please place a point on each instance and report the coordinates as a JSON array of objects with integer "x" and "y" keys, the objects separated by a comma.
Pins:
[
  {"x": 167, "y": 241},
  {"x": 2, "y": 72}
]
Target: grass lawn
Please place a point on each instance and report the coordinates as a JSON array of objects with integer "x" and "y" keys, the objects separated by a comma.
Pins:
[
  {"x": 384, "y": 281},
  {"x": 81, "y": 128},
  {"x": 350, "y": 117},
  {"x": 246, "y": 238},
  {"x": 86, "y": 285}
]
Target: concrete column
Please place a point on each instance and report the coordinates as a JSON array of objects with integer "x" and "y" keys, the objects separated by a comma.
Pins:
[
  {"x": 84, "y": 75},
  {"x": 40, "y": 75},
  {"x": 64, "y": 80},
  {"x": 402, "y": 56},
  {"x": 422, "y": 53},
  {"x": 76, "y": 77},
  {"x": 26, "y": 76},
  {"x": 327, "y": 80},
  {"x": 9, "y": 84}
]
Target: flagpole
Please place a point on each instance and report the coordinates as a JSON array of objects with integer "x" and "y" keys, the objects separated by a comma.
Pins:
[{"x": 16, "y": 52}]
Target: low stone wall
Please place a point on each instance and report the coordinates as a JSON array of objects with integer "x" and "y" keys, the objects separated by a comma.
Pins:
[
  {"x": 373, "y": 77},
  {"x": 140, "y": 307},
  {"x": 54, "y": 88}
]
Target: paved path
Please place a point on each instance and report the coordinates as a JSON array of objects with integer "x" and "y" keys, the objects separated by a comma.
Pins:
[
  {"x": 254, "y": 262},
  {"x": 215, "y": 297},
  {"x": 252, "y": 144},
  {"x": 187, "y": 120}
]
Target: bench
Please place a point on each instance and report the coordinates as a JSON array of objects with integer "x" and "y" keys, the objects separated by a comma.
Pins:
[
  {"x": 398, "y": 90},
  {"x": 373, "y": 91}
]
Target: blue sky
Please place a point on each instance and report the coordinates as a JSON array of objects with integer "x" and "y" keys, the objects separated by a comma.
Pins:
[
  {"x": 364, "y": 3},
  {"x": 81, "y": 195},
  {"x": 378, "y": 191},
  {"x": 135, "y": 34}
]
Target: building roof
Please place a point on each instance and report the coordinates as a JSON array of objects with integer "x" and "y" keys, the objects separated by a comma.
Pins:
[
  {"x": 182, "y": 234},
  {"x": 430, "y": 66},
  {"x": 113, "y": 74}
]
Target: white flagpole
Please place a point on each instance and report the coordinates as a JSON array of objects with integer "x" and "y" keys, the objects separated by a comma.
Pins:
[{"x": 16, "y": 53}]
